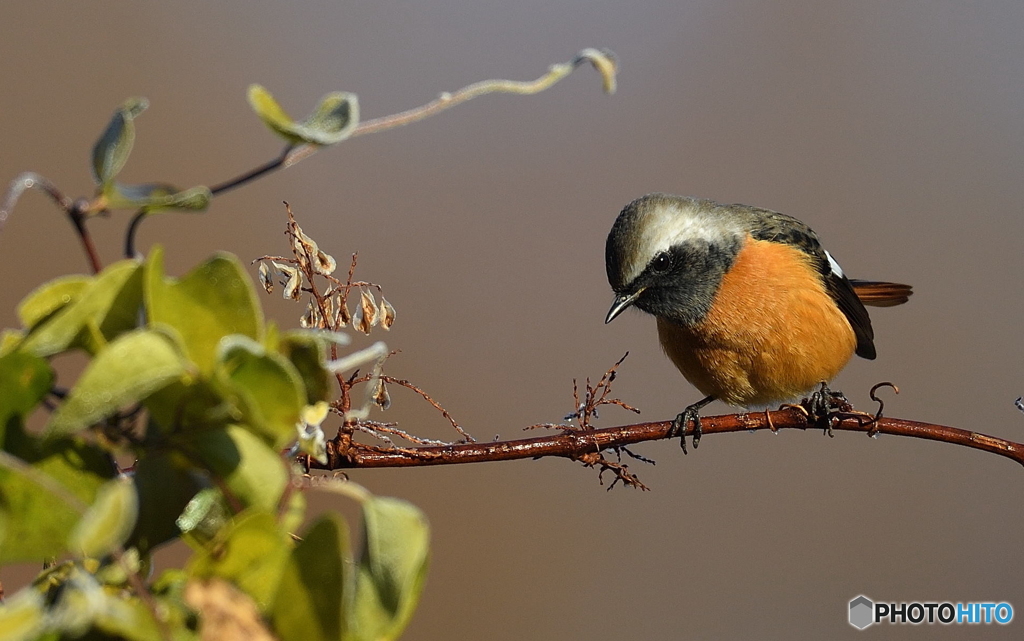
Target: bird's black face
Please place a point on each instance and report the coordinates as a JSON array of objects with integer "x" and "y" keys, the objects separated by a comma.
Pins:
[{"x": 678, "y": 283}]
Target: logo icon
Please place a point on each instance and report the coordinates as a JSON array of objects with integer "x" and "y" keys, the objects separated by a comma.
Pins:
[{"x": 861, "y": 611}]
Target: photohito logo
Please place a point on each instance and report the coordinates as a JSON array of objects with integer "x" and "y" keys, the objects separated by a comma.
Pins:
[{"x": 864, "y": 612}]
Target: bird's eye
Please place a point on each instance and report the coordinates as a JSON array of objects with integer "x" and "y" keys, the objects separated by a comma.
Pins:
[{"x": 661, "y": 263}]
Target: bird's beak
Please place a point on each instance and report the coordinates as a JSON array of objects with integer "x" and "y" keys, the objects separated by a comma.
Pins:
[{"x": 621, "y": 302}]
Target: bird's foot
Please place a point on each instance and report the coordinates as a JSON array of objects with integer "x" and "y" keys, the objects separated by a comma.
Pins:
[
  {"x": 690, "y": 414},
  {"x": 823, "y": 404}
]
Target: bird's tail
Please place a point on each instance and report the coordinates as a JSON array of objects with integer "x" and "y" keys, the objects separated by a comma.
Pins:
[{"x": 881, "y": 294}]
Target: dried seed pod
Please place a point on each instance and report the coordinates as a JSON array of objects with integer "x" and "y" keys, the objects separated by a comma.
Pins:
[
  {"x": 369, "y": 307},
  {"x": 387, "y": 317},
  {"x": 266, "y": 278},
  {"x": 292, "y": 289},
  {"x": 380, "y": 395},
  {"x": 299, "y": 240},
  {"x": 328, "y": 312},
  {"x": 359, "y": 321},
  {"x": 343, "y": 318},
  {"x": 324, "y": 263},
  {"x": 311, "y": 317}
]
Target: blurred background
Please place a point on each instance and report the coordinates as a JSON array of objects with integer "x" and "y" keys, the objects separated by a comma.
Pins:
[{"x": 893, "y": 127}]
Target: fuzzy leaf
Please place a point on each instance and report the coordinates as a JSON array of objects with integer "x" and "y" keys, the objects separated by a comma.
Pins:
[
  {"x": 24, "y": 380},
  {"x": 332, "y": 121},
  {"x": 152, "y": 197},
  {"x": 22, "y": 617},
  {"x": 127, "y": 371},
  {"x": 111, "y": 151},
  {"x": 392, "y": 569},
  {"x": 40, "y": 506},
  {"x": 306, "y": 351},
  {"x": 212, "y": 301},
  {"x": 309, "y": 605},
  {"x": 109, "y": 520},
  {"x": 253, "y": 473},
  {"x": 105, "y": 308},
  {"x": 50, "y": 297},
  {"x": 251, "y": 552},
  {"x": 265, "y": 385}
]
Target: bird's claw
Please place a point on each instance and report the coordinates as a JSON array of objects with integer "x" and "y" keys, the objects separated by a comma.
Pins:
[
  {"x": 821, "y": 405},
  {"x": 690, "y": 415}
]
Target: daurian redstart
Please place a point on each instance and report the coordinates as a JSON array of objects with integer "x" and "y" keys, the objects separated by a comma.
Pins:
[{"x": 749, "y": 306}]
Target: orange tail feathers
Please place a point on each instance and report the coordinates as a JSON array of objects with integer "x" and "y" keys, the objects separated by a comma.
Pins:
[{"x": 881, "y": 294}]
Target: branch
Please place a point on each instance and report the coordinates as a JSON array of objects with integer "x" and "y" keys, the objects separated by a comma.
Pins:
[
  {"x": 577, "y": 444},
  {"x": 602, "y": 60},
  {"x": 75, "y": 209}
]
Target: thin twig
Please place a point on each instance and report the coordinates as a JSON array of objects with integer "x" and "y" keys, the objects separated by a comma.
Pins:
[
  {"x": 30, "y": 180},
  {"x": 406, "y": 384},
  {"x": 602, "y": 60},
  {"x": 249, "y": 176},
  {"x": 75, "y": 209},
  {"x": 78, "y": 221}
]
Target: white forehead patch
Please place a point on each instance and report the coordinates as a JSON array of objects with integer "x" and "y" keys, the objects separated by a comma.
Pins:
[
  {"x": 836, "y": 269},
  {"x": 676, "y": 222}
]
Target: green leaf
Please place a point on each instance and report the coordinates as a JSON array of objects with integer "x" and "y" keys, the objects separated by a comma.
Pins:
[
  {"x": 294, "y": 512},
  {"x": 106, "y": 307},
  {"x": 24, "y": 380},
  {"x": 271, "y": 113},
  {"x": 392, "y": 569},
  {"x": 127, "y": 618},
  {"x": 40, "y": 505},
  {"x": 266, "y": 386},
  {"x": 251, "y": 552},
  {"x": 50, "y": 297},
  {"x": 311, "y": 592},
  {"x": 306, "y": 353},
  {"x": 332, "y": 121},
  {"x": 10, "y": 339},
  {"x": 187, "y": 405},
  {"x": 22, "y": 616},
  {"x": 105, "y": 526},
  {"x": 214, "y": 300},
  {"x": 152, "y": 197},
  {"x": 203, "y": 517},
  {"x": 252, "y": 472},
  {"x": 127, "y": 371},
  {"x": 111, "y": 151},
  {"x": 165, "y": 483}
]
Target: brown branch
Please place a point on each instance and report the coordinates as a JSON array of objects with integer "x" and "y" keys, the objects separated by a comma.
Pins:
[
  {"x": 577, "y": 445},
  {"x": 75, "y": 209}
]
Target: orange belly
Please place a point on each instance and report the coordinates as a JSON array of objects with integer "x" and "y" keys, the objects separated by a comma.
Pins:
[{"x": 773, "y": 332}]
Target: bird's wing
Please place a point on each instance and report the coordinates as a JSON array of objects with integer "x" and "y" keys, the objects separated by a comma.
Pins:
[{"x": 780, "y": 228}]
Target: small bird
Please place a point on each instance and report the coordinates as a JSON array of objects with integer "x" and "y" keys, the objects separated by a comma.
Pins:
[{"x": 749, "y": 306}]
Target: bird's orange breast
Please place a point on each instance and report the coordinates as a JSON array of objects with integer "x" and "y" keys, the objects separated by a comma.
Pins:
[{"x": 772, "y": 334}]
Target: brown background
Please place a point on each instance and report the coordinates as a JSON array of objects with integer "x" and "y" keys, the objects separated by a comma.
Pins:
[{"x": 895, "y": 129}]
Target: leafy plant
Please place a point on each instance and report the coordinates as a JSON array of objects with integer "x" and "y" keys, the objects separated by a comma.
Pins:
[
  {"x": 221, "y": 392},
  {"x": 195, "y": 419}
]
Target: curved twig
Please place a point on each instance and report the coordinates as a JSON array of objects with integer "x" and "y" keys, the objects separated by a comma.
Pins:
[
  {"x": 75, "y": 209},
  {"x": 602, "y": 60}
]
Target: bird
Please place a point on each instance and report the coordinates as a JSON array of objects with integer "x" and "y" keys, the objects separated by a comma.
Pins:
[{"x": 749, "y": 306}]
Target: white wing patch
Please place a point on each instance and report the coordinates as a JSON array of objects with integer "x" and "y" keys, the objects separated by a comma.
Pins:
[{"x": 836, "y": 269}]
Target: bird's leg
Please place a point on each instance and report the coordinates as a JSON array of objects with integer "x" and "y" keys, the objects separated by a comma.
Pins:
[
  {"x": 820, "y": 404},
  {"x": 691, "y": 413}
]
